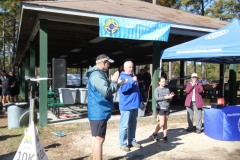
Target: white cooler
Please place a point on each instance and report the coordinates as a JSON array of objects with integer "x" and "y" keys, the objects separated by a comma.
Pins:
[
  {"x": 68, "y": 95},
  {"x": 83, "y": 95}
]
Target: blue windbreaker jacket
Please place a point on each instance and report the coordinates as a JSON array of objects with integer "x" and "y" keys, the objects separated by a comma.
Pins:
[
  {"x": 100, "y": 94},
  {"x": 129, "y": 93}
]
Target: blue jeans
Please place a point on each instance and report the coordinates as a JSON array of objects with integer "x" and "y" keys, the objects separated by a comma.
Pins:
[{"x": 128, "y": 124}]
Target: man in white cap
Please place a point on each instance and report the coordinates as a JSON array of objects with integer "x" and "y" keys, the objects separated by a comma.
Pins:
[
  {"x": 194, "y": 103},
  {"x": 100, "y": 101}
]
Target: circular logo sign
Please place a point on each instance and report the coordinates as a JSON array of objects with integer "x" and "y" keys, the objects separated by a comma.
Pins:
[
  {"x": 217, "y": 34},
  {"x": 111, "y": 26},
  {"x": 28, "y": 139}
]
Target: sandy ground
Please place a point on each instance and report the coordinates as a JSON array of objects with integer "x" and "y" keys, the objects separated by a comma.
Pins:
[{"x": 181, "y": 145}]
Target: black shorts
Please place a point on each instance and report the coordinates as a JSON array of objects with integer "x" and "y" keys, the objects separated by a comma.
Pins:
[
  {"x": 5, "y": 92},
  {"x": 98, "y": 127},
  {"x": 164, "y": 112}
]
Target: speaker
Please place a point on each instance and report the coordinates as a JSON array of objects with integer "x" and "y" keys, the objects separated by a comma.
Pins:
[{"x": 59, "y": 74}]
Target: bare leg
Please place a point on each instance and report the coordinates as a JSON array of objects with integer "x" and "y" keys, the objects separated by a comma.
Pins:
[
  {"x": 7, "y": 99},
  {"x": 165, "y": 126},
  {"x": 3, "y": 100},
  {"x": 97, "y": 147},
  {"x": 162, "y": 121},
  {"x": 93, "y": 141},
  {"x": 11, "y": 99},
  {"x": 158, "y": 126}
]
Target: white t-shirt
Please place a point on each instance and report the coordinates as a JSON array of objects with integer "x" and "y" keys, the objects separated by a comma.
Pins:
[{"x": 193, "y": 95}]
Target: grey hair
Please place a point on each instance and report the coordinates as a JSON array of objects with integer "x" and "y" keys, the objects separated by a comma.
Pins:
[{"x": 127, "y": 62}]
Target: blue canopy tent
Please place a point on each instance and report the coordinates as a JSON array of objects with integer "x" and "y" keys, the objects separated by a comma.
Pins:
[{"x": 221, "y": 46}]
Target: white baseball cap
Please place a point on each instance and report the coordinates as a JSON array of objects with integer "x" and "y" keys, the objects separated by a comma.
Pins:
[
  {"x": 194, "y": 75},
  {"x": 102, "y": 58}
]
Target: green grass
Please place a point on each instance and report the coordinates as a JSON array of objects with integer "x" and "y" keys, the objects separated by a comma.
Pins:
[{"x": 10, "y": 139}]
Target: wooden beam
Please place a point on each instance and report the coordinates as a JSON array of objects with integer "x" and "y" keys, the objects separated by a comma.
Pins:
[
  {"x": 32, "y": 67},
  {"x": 43, "y": 60},
  {"x": 156, "y": 63}
]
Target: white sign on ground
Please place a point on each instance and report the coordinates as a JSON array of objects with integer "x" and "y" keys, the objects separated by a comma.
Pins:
[{"x": 31, "y": 147}]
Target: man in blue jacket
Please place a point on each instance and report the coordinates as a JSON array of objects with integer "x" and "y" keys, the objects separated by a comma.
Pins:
[
  {"x": 129, "y": 102},
  {"x": 100, "y": 101}
]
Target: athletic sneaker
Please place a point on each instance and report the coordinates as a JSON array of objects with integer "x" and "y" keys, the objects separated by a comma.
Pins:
[
  {"x": 136, "y": 145},
  {"x": 198, "y": 131},
  {"x": 125, "y": 148},
  {"x": 4, "y": 109},
  {"x": 154, "y": 137},
  {"x": 165, "y": 140},
  {"x": 188, "y": 129}
]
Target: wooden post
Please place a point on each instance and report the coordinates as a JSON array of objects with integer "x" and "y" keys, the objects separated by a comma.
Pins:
[
  {"x": 232, "y": 93},
  {"x": 181, "y": 78},
  {"x": 156, "y": 63},
  {"x": 32, "y": 67},
  {"x": 43, "y": 53},
  {"x": 26, "y": 71}
]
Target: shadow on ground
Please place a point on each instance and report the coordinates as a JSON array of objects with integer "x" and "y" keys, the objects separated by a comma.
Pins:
[
  {"x": 156, "y": 147},
  {"x": 8, "y": 156},
  {"x": 4, "y": 137}
]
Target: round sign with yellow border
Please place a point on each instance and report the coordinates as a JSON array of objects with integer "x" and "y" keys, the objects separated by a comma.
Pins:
[{"x": 111, "y": 26}]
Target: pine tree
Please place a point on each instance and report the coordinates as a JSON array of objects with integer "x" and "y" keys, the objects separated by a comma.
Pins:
[
  {"x": 224, "y": 10},
  {"x": 9, "y": 15}
]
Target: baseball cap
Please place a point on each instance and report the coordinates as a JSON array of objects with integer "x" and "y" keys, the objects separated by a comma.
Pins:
[
  {"x": 194, "y": 75},
  {"x": 102, "y": 58}
]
